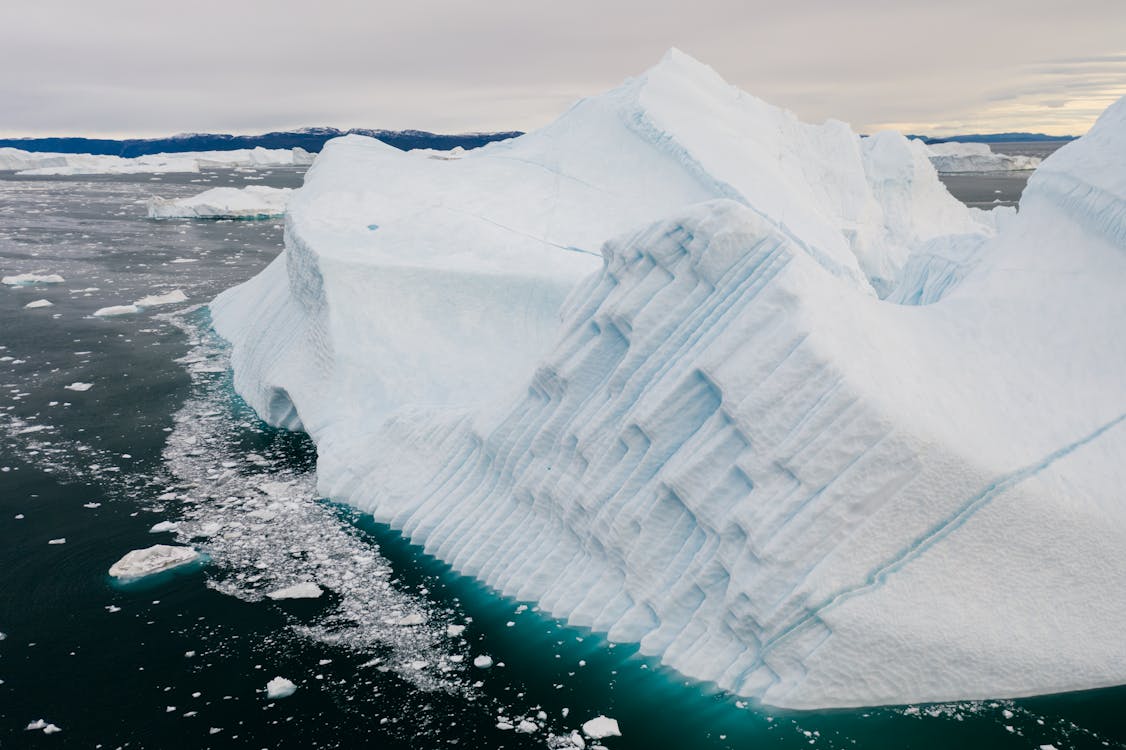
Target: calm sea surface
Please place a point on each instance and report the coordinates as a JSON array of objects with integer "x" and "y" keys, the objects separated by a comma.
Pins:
[{"x": 182, "y": 661}]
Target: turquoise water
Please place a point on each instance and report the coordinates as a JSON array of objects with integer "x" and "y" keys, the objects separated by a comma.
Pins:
[{"x": 182, "y": 660}]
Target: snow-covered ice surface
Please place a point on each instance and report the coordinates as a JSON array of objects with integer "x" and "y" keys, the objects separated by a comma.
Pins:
[
  {"x": 954, "y": 157},
  {"x": 732, "y": 451},
  {"x": 55, "y": 165},
  {"x": 251, "y": 202}
]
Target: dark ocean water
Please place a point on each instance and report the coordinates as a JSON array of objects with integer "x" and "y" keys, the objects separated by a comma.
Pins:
[{"x": 182, "y": 661}]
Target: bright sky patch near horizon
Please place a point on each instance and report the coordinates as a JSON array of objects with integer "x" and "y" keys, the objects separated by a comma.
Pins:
[{"x": 119, "y": 68}]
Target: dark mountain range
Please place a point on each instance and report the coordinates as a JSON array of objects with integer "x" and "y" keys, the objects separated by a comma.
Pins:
[{"x": 310, "y": 139}]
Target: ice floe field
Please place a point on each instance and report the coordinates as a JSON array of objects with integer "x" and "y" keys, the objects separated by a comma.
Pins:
[{"x": 289, "y": 621}]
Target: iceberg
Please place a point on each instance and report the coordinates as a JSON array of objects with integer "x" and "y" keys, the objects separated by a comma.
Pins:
[
  {"x": 252, "y": 202},
  {"x": 805, "y": 427},
  {"x": 29, "y": 163},
  {"x": 954, "y": 157}
]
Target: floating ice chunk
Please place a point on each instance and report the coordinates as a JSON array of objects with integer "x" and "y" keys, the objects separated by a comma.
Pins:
[
  {"x": 3, "y": 635},
  {"x": 151, "y": 560},
  {"x": 305, "y": 590},
  {"x": 527, "y": 727},
  {"x": 79, "y": 386},
  {"x": 953, "y": 157},
  {"x": 60, "y": 540},
  {"x": 168, "y": 298},
  {"x": 27, "y": 279},
  {"x": 115, "y": 310},
  {"x": 453, "y": 631},
  {"x": 601, "y": 727},
  {"x": 253, "y": 202},
  {"x": 38, "y": 304},
  {"x": 484, "y": 661},
  {"x": 504, "y": 726},
  {"x": 280, "y": 687},
  {"x": 410, "y": 620},
  {"x": 163, "y": 526}
]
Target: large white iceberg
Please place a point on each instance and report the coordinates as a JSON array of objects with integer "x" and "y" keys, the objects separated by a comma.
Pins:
[
  {"x": 810, "y": 429},
  {"x": 48, "y": 164},
  {"x": 251, "y": 202},
  {"x": 954, "y": 157}
]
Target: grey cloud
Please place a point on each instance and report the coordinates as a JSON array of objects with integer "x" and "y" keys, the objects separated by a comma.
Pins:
[{"x": 124, "y": 66}]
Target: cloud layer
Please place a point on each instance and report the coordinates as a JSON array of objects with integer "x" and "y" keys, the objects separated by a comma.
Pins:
[{"x": 125, "y": 67}]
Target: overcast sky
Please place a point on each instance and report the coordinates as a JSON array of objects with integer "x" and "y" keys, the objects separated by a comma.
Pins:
[{"x": 132, "y": 67}]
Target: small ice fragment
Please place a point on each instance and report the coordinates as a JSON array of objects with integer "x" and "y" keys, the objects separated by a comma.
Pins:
[
  {"x": 600, "y": 727},
  {"x": 37, "y": 304},
  {"x": 307, "y": 590},
  {"x": 37, "y": 724},
  {"x": 484, "y": 661},
  {"x": 60, "y": 540},
  {"x": 453, "y": 631},
  {"x": 1007, "y": 714},
  {"x": 280, "y": 687},
  {"x": 155, "y": 559},
  {"x": 504, "y": 726},
  {"x": 77, "y": 386},
  {"x": 214, "y": 730},
  {"x": 3, "y": 635},
  {"x": 157, "y": 528},
  {"x": 91, "y": 506},
  {"x": 115, "y": 310},
  {"x": 111, "y": 608},
  {"x": 526, "y": 727},
  {"x": 411, "y": 619}
]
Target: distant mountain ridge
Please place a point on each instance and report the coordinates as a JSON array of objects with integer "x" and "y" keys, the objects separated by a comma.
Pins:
[
  {"x": 310, "y": 139},
  {"x": 994, "y": 138}
]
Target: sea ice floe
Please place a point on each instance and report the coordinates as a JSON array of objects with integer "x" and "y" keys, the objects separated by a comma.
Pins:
[
  {"x": 79, "y": 386},
  {"x": 484, "y": 661},
  {"x": 27, "y": 279},
  {"x": 163, "y": 526},
  {"x": 280, "y": 687},
  {"x": 168, "y": 298},
  {"x": 601, "y": 727},
  {"x": 151, "y": 560},
  {"x": 44, "y": 725},
  {"x": 115, "y": 310},
  {"x": 304, "y": 590},
  {"x": 38, "y": 304}
]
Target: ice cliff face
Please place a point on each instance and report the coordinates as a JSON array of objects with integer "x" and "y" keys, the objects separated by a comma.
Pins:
[{"x": 732, "y": 450}]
